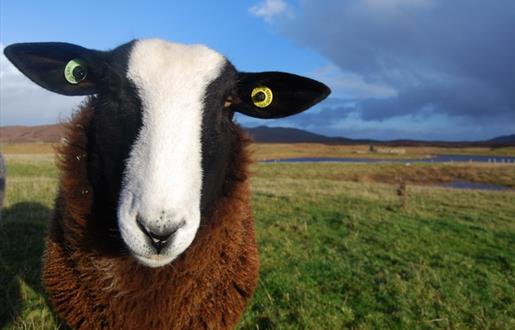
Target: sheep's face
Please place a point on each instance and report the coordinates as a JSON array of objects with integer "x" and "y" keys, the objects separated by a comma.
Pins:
[
  {"x": 159, "y": 142},
  {"x": 160, "y": 199}
]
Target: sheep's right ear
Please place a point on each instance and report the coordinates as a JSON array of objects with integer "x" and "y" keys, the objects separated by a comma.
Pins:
[{"x": 59, "y": 67}]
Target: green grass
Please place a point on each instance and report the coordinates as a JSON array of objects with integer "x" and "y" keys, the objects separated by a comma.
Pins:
[
  {"x": 262, "y": 151},
  {"x": 420, "y": 174},
  {"x": 346, "y": 255},
  {"x": 30, "y": 191},
  {"x": 337, "y": 250}
]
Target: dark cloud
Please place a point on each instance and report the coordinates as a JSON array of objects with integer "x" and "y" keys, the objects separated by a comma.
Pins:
[
  {"x": 465, "y": 98},
  {"x": 343, "y": 118},
  {"x": 452, "y": 58}
]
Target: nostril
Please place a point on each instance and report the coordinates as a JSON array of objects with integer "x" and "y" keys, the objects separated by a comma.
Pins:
[{"x": 158, "y": 237}]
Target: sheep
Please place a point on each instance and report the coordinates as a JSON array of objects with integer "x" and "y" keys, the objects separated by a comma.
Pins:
[
  {"x": 153, "y": 226},
  {"x": 2, "y": 182}
]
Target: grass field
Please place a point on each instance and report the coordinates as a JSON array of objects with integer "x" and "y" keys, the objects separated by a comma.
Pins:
[
  {"x": 264, "y": 151},
  {"x": 338, "y": 248}
]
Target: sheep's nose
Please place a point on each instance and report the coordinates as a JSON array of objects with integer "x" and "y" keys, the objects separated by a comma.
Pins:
[{"x": 159, "y": 237}]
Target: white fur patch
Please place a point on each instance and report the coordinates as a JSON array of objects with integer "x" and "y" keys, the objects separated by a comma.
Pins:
[{"x": 163, "y": 177}]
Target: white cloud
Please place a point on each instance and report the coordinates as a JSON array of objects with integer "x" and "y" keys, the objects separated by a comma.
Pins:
[
  {"x": 22, "y": 102},
  {"x": 269, "y": 9}
]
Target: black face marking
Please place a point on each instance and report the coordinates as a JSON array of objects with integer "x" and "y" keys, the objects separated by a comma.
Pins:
[
  {"x": 216, "y": 136},
  {"x": 113, "y": 129}
]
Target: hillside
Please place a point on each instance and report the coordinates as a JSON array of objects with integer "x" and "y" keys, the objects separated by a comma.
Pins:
[
  {"x": 266, "y": 134},
  {"x": 504, "y": 139},
  {"x": 25, "y": 134},
  {"x": 262, "y": 134}
]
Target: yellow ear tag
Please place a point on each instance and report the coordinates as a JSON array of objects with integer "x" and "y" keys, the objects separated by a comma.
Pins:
[
  {"x": 75, "y": 71},
  {"x": 262, "y": 96}
]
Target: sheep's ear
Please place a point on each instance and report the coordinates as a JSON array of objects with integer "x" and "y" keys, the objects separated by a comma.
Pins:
[
  {"x": 277, "y": 94},
  {"x": 59, "y": 67}
]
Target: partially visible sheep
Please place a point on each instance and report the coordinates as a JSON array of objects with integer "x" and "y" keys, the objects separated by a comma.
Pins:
[
  {"x": 153, "y": 225},
  {"x": 3, "y": 175}
]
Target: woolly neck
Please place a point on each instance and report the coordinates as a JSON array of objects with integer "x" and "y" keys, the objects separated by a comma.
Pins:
[{"x": 94, "y": 282}]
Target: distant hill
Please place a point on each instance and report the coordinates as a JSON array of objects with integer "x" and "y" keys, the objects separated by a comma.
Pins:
[
  {"x": 263, "y": 134},
  {"x": 267, "y": 134},
  {"x": 24, "y": 134},
  {"x": 508, "y": 139}
]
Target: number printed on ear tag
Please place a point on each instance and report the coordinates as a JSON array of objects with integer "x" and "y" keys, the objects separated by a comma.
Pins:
[
  {"x": 75, "y": 71},
  {"x": 262, "y": 96}
]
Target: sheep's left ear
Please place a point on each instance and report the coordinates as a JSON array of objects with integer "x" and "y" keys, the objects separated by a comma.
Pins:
[{"x": 276, "y": 94}]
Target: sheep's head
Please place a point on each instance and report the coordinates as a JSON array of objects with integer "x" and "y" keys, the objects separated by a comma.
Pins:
[{"x": 159, "y": 141}]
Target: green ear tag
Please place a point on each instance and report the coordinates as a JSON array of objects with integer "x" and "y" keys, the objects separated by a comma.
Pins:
[
  {"x": 262, "y": 96},
  {"x": 75, "y": 71}
]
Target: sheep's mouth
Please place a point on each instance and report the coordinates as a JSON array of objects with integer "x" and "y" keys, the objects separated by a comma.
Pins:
[
  {"x": 146, "y": 254},
  {"x": 154, "y": 260}
]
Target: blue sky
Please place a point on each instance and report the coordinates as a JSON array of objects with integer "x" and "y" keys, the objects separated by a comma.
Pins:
[{"x": 422, "y": 69}]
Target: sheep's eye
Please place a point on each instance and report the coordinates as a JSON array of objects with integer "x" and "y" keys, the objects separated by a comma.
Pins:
[{"x": 228, "y": 102}]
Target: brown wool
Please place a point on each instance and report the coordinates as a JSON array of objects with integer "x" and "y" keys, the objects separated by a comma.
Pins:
[{"x": 207, "y": 287}]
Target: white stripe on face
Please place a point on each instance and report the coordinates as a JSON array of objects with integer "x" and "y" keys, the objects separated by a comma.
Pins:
[{"x": 163, "y": 176}]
